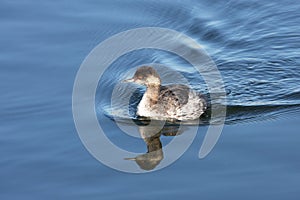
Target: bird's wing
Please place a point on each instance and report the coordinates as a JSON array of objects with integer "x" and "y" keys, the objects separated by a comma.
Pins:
[{"x": 178, "y": 93}]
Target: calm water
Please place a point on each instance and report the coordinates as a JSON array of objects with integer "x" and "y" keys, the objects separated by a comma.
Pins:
[{"x": 255, "y": 45}]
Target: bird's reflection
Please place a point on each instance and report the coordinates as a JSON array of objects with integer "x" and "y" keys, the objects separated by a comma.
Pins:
[{"x": 151, "y": 132}]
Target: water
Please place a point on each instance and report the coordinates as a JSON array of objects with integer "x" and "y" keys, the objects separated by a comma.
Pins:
[{"x": 255, "y": 45}]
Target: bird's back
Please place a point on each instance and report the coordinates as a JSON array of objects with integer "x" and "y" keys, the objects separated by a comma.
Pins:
[
  {"x": 180, "y": 102},
  {"x": 177, "y": 94}
]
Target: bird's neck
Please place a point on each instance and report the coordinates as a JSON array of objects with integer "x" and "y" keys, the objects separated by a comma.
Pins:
[
  {"x": 152, "y": 93},
  {"x": 153, "y": 144}
]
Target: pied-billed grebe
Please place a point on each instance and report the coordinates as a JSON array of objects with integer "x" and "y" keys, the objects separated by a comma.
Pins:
[{"x": 174, "y": 101}]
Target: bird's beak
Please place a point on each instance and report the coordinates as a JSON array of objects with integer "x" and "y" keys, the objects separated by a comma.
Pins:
[
  {"x": 128, "y": 80},
  {"x": 129, "y": 158}
]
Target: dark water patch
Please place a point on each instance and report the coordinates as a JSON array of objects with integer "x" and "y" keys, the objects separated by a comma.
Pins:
[{"x": 242, "y": 114}]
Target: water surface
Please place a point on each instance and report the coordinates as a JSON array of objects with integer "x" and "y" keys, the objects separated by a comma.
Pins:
[{"x": 255, "y": 45}]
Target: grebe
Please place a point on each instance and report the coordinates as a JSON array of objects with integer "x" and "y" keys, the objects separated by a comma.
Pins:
[{"x": 170, "y": 102}]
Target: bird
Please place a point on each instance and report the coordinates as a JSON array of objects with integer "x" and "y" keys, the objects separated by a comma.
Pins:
[{"x": 166, "y": 102}]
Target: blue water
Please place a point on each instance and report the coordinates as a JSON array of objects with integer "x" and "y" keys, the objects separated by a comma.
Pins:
[{"x": 255, "y": 45}]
